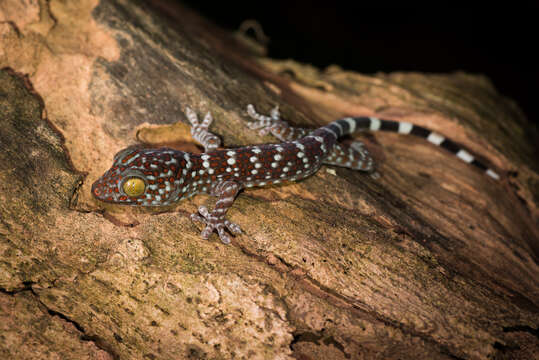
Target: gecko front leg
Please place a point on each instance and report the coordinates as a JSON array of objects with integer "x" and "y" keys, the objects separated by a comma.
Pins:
[
  {"x": 215, "y": 220},
  {"x": 200, "y": 132}
]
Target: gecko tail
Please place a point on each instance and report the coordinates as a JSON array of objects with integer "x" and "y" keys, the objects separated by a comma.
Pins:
[{"x": 350, "y": 125}]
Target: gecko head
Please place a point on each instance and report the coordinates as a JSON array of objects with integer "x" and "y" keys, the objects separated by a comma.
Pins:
[{"x": 145, "y": 177}]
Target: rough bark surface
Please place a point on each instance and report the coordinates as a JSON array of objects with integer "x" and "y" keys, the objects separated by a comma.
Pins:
[{"x": 433, "y": 260}]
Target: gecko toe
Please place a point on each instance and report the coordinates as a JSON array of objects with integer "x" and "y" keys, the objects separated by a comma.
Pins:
[
  {"x": 215, "y": 224},
  {"x": 233, "y": 227}
]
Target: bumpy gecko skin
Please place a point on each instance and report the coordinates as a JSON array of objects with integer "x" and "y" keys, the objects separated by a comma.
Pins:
[{"x": 159, "y": 177}]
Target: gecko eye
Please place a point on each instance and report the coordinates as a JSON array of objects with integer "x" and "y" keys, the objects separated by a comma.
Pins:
[{"x": 134, "y": 186}]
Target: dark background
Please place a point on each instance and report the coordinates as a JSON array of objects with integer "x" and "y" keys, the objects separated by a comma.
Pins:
[{"x": 498, "y": 41}]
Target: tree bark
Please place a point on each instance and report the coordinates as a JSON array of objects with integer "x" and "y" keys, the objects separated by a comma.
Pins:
[{"x": 432, "y": 260}]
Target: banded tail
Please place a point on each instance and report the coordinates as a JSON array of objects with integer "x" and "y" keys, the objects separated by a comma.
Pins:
[{"x": 350, "y": 125}]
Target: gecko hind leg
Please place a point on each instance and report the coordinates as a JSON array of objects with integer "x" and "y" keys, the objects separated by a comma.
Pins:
[
  {"x": 274, "y": 125},
  {"x": 200, "y": 132},
  {"x": 353, "y": 156}
]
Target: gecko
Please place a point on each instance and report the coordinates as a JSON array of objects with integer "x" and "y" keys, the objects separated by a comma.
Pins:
[{"x": 159, "y": 177}]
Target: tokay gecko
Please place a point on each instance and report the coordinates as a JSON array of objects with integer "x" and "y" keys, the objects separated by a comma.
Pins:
[{"x": 159, "y": 177}]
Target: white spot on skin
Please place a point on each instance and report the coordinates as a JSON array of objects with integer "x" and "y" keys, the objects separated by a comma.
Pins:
[
  {"x": 193, "y": 174},
  {"x": 300, "y": 154},
  {"x": 231, "y": 161},
  {"x": 254, "y": 171},
  {"x": 405, "y": 127},
  {"x": 492, "y": 174},
  {"x": 210, "y": 171},
  {"x": 464, "y": 155},
  {"x": 274, "y": 165},
  {"x": 262, "y": 183},
  {"x": 351, "y": 124},
  {"x": 201, "y": 172},
  {"x": 286, "y": 168},
  {"x": 375, "y": 124},
  {"x": 206, "y": 164},
  {"x": 435, "y": 138},
  {"x": 256, "y": 150},
  {"x": 279, "y": 149},
  {"x": 205, "y": 157},
  {"x": 231, "y": 153},
  {"x": 253, "y": 159},
  {"x": 258, "y": 165},
  {"x": 277, "y": 157},
  {"x": 228, "y": 169},
  {"x": 299, "y": 145}
]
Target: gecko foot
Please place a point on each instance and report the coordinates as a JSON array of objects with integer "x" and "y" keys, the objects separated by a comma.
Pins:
[
  {"x": 215, "y": 222},
  {"x": 200, "y": 130},
  {"x": 263, "y": 122}
]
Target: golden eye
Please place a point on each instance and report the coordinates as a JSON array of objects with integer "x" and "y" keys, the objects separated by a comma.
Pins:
[{"x": 134, "y": 186}]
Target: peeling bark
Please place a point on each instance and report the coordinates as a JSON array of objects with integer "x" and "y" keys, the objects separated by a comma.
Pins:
[{"x": 433, "y": 260}]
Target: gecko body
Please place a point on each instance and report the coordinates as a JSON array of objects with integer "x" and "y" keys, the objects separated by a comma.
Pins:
[{"x": 160, "y": 177}]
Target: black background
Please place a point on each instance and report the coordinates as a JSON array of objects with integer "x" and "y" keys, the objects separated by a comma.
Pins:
[{"x": 498, "y": 41}]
